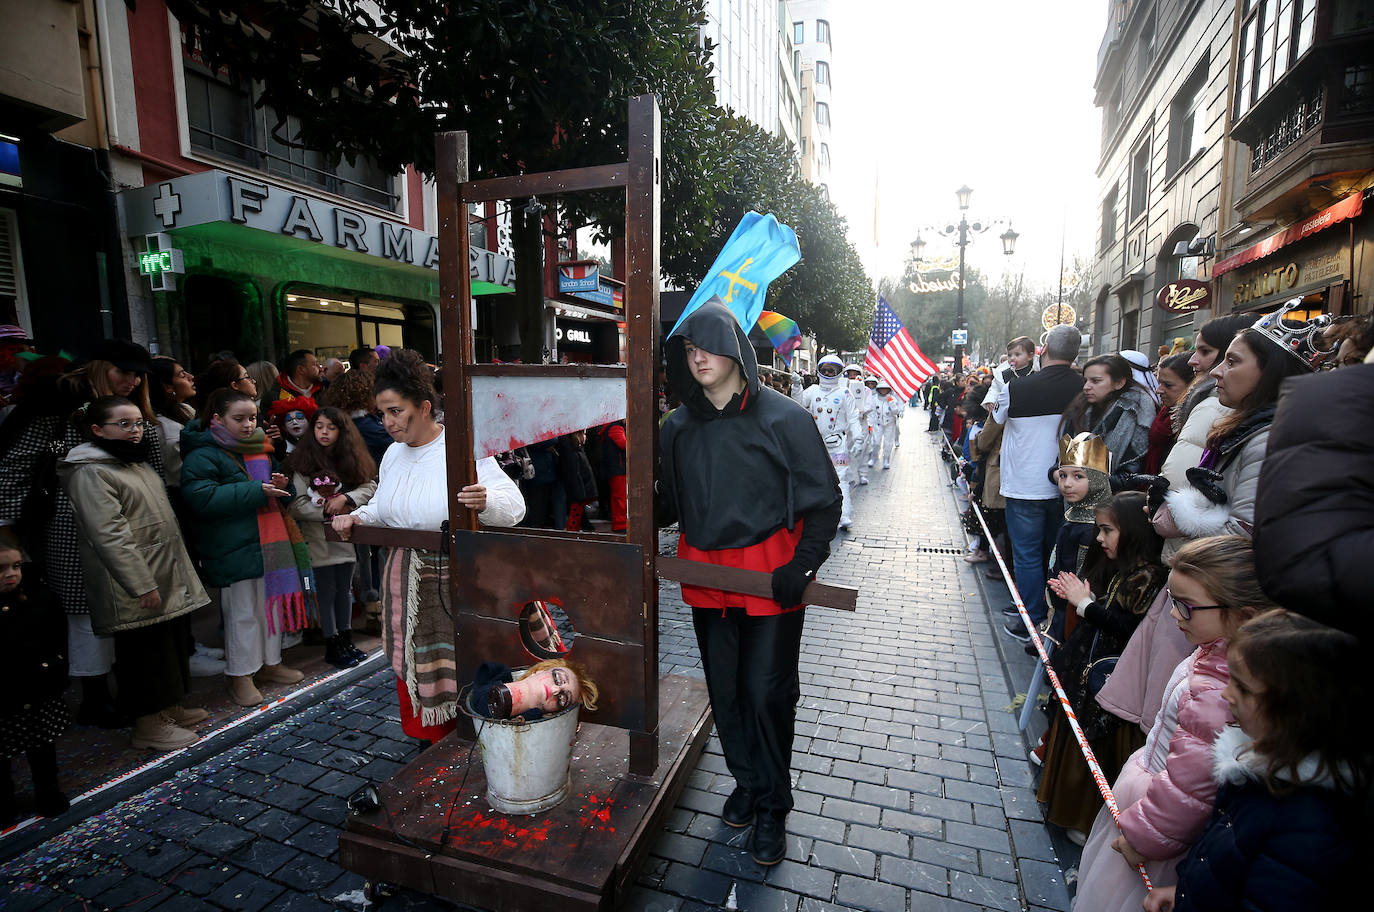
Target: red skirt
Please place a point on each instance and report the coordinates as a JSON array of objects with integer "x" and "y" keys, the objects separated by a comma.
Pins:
[{"x": 410, "y": 719}]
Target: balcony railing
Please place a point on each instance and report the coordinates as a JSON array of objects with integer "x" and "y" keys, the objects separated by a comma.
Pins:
[{"x": 1289, "y": 127}]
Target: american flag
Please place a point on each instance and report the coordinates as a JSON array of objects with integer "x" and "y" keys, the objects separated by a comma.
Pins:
[{"x": 894, "y": 355}]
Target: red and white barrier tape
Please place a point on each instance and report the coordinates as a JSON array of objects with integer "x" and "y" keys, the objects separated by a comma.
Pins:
[{"x": 1103, "y": 785}]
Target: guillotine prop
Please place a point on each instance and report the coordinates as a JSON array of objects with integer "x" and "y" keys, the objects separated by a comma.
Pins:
[{"x": 434, "y": 831}]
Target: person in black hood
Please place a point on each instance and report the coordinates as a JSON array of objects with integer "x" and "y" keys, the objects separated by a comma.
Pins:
[{"x": 748, "y": 477}]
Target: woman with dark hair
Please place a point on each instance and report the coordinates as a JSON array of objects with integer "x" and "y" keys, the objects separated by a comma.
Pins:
[
  {"x": 171, "y": 388},
  {"x": 1218, "y": 496},
  {"x": 226, "y": 373},
  {"x": 1174, "y": 374},
  {"x": 1121, "y": 578},
  {"x": 1199, "y": 409},
  {"x": 352, "y": 394},
  {"x": 1115, "y": 407},
  {"x": 412, "y": 493},
  {"x": 34, "y": 438},
  {"x": 139, "y": 579},
  {"x": 333, "y": 474}
]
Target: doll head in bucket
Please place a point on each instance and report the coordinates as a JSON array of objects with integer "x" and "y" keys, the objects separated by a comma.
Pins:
[{"x": 550, "y": 686}]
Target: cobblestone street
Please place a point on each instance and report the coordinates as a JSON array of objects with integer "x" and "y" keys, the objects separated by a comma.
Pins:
[{"x": 912, "y": 787}]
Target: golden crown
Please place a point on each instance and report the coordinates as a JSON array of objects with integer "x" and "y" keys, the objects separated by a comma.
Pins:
[{"x": 1087, "y": 451}]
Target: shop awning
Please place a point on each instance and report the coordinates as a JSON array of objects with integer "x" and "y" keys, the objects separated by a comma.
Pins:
[{"x": 1347, "y": 208}]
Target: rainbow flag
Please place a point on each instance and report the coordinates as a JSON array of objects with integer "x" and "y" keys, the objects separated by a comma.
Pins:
[{"x": 785, "y": 334}]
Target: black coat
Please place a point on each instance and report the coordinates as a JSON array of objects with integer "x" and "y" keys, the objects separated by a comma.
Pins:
[
  {"x": 1314, "y": 513},
  {"x": 1264, "y": 853},
  {"x": 734, "y": 476},
  {"x": 579, "y": 481},
  {"x": 33, "y": 646}
]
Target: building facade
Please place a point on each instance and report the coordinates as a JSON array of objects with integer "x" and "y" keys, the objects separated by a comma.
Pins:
[
  {"x": 1301, "y": 160},
  {"x": 812, "y": 35},
  {"x": 757, "y": 67},
  {"x": 1163, "y": 77}
]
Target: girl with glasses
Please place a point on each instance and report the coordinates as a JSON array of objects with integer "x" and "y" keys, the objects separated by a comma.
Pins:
[
  {"x": 1165, "y": 791},
  {"x": 140, "y": 583}
]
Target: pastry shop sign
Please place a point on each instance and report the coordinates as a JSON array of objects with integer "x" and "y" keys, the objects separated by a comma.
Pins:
[{"x": 1184, "y": 296}]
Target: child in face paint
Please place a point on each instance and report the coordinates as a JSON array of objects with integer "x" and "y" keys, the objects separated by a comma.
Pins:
[{"x": 293, "y": 418}]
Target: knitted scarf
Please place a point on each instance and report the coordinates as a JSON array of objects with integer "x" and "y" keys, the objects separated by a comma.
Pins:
[{"x": 287, "y": 575}]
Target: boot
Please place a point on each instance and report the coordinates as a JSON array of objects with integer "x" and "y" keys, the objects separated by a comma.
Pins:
[
  {"x": 347, "y": 637},
  {"x": 183, "y": 716},
  {"x": 156, "y": 731},
  {"x": 373, "y": 612},
  {"x": 48, "y": 800},
  {"x": 279, "y": 674},
  {"x": 97, "y": 706},
  {"x": 336, "y": 654},
  {"x": 242, "y": 691}
]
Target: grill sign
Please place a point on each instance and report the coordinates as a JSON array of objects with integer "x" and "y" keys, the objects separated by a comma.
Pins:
[{"x": 1184, "y": 296}]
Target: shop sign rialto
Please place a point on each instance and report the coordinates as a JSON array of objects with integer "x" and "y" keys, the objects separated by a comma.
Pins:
[
  {"x": 1269, "y": 282},
  {"x": 217, "y": 196}
]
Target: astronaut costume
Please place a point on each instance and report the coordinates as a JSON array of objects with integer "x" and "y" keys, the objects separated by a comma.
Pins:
[
  {"x": 836, "y": 413},
  {"x": 863, "y": 398},
  {"x": 887, "y": 421}
]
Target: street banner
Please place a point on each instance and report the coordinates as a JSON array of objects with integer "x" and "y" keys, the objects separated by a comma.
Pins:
[{"x": 759, "y": 250}]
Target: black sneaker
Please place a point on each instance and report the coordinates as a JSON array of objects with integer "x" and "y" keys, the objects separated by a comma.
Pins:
[
  {"x": 1011, "y": 612},
  {"x": 769, "y": 844},
  {"x": 739, "y": 808},
  {"x": 1017, "y": 631}
]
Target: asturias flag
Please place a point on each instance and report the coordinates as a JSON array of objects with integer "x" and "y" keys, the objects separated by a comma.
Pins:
[
  {"x": 785, "y": 334},
  {"x": 759, "y": 250}
]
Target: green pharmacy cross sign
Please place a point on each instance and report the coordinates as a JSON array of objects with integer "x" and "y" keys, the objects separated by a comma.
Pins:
[{"x": 161, "y": 262}]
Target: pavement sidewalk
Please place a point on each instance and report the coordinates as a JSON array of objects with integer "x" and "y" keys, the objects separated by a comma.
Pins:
[{"x": 912, "y": 787}]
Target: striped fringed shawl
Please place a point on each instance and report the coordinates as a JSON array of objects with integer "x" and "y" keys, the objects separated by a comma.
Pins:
[{"x": 418, "y": 634}]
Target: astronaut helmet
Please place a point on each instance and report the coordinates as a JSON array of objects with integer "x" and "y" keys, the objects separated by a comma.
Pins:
[
  {"x": 848, "y": 368},
  {"x": 830, "y": 366},
  {"x": 883, "y": 387}
]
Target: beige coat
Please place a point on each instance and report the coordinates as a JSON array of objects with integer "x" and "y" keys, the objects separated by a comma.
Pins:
[
  {"x": 130, "y": 542},
  {"x": 988, "y": 445},
  {"x": 309, "y": 515}
]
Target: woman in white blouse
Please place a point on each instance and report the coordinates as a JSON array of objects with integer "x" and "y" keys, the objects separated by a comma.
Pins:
[{"x": 412, "y": 493}]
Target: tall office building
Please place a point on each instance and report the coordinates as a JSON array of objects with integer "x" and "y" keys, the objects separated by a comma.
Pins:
[
  {"x": 758, "y": 70},
  {"x": 811, "y": 35}
]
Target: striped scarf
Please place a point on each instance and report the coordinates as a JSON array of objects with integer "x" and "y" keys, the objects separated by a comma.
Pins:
[
  {"x": 288, "y": 578},
  {"x": 418, "y": 634}
]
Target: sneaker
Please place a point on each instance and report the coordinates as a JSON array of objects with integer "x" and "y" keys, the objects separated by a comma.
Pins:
[
  {"x": 279, "y": 674},
  {"x": 205, "y": 666},
  {"x": 1011, "y": 612},
  {"x": 156, "y": 732},
  {"x": 183, "y": 716},
  {"x": 845, "y": 524},
  {"x": 863, "y": 479},
  {"x": 994, "y": 573},
  {"x": 213, "y": 652},
  {"x": 886, "y": 466},
  {"x": 739, "y": 808},
  {"x": 1037, "y": 756},
  {"x": 870, "y": 463},
  {"x": 1017, "y": 631}
]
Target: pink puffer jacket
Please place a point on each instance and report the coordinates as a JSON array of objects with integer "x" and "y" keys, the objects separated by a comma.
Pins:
[{"x": 1178, "y": 801}]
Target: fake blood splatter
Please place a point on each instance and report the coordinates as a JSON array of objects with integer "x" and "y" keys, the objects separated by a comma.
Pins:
[{"x": 595, "y": 814}]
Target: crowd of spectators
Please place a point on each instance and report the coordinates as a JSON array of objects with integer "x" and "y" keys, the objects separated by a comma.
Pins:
[{"x": 1185, "y": 535}]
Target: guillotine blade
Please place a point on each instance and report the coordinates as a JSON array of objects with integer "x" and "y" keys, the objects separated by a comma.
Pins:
[{"x": 512, "y": 411}]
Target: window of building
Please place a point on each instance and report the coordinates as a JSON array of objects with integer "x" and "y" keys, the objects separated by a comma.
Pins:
[
  {"x": 822, "y": 113},
  {"x": 825, "y": 191},
  {"x": 1146, "y": 46},
  {"x": 1111, "y": 114},
  {"x": 1274, "y": 34},
  {"x": 1140, "y": 181},
  {"x": 1186, "y": 126},
  {"x": 1130, "y": 329},
  {"x": 822, "y": 73},
  {"x": 823, "y": 32},
  {"x": 799, "y": 33},
  {"x": 1351, "y": 16},
  {"x": 1108, "y": 236},
  {"x": 223, "y": 121},
  {"x": 803, "y": 145},
  {"x": 825, "y": 155},
  {"x": 331, "y": 324},
  {"x": 1357, "y": 95}
]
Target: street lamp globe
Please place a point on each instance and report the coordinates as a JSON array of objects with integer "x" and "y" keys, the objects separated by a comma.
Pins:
[
  {"x": 963, "y": 193},
  {"x": 918, "y": 246},
  {"x": 1009, "y": 241}
]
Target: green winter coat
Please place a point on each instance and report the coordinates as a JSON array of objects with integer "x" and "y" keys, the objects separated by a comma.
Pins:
[
  {"x": 222, "y": 503},
  {"x": 130, "y": 542}
]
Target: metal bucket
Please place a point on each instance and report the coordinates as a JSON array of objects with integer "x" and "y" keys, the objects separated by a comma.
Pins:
[{"x": 528, "y": 764}]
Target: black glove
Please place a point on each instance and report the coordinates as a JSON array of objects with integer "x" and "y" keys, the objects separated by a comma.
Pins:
[
  {"x": 789, "y": 582},
  {"x": 1209, "y": 482},
  {"x": 1157, "y": 486}
]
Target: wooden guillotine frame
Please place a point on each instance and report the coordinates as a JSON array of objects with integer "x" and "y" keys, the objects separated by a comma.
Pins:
[{"x": 434, "y": 831}]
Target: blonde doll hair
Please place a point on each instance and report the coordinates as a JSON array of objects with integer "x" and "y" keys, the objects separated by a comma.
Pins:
[{"x": 585, "y": 684}]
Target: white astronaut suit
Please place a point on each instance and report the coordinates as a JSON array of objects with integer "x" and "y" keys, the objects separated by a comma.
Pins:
[
  {"x": 887, "y": 419},
  {"x": 836, "y": 413}
]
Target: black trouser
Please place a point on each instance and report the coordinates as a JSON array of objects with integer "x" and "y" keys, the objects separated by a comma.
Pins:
[
  {"x": 152, "y": 666},
  {"x": 934, "y": 419},
  {"x": 751, "y": 676}
]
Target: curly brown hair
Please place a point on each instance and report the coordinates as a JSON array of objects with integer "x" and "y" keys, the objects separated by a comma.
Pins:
[
  {"x": 350, "y": 393},
  {"x": 348, "y": 460}
]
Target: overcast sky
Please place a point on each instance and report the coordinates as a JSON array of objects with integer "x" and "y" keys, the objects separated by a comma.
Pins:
[{"x": 996, "y": 94}]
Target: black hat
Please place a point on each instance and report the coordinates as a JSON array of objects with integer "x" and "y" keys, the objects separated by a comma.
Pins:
[{"x": 129, "y": 356}]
